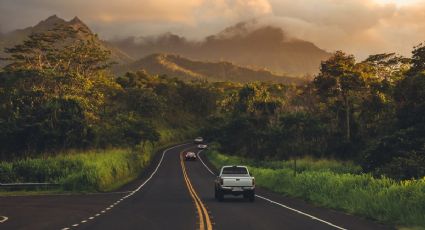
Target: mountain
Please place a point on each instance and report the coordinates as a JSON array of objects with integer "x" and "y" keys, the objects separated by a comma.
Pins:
[
  {"x": 18, "y": 36},
  {"x": 186, "y": 69},
  {"x": 211, "y": 59},
  {"x": 247, "y": 44}
]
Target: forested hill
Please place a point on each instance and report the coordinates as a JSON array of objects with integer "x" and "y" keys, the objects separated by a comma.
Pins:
[
  {"x": 13, "y": 38},
  {"x": 178, "y": 66}
]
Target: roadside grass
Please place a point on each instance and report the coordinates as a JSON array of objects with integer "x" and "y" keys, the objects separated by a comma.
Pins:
[
  {"x": 339, "y": 185},
  {"x": 86, "y": 171},
  {"x": 303, "y": 164},
  {"x": 95, "y": 170}
]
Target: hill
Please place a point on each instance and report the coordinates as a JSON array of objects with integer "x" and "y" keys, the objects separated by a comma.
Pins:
[
  {"x": 247, "y": 44},
  {"x": 18, "y": 36},
  {"x": 186, "y": 69}
]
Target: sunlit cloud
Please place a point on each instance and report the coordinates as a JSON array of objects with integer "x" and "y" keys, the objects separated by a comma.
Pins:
[{"x": 360, "y": 27}]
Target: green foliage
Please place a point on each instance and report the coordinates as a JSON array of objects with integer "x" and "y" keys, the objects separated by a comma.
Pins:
[
  {"x": 57, "y": 94},
  {"x": 306, "y": 163},
  {"x": 400, "y": 155},
  {"x": 418, "y": 59},
  {"x": 96, "y": 170},
  {"x": 370, "y": 112},
  {"x": 59, "y": 51},
  {"x": 327, "y": 183},
  {"x": 410, "y": 96},
  {"x": 92, "y": 170}
]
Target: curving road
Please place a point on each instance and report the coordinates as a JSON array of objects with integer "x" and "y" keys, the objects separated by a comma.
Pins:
[{"x": 173, "y": 194}]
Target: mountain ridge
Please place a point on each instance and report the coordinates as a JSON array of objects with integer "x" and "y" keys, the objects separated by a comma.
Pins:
[
  {"x": 177, "y": 66},
  {"x": 248, "y": 44}
]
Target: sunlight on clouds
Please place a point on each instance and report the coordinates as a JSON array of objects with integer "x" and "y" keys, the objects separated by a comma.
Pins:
[
  {"x": 357, "y": 26},
  {"x": 361, "y": 27},
  {"x": 398, "y": 2},
  {"x": 148, "y": 10}
]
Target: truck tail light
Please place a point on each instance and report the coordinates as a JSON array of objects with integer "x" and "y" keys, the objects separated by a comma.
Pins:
[
  {"x": 221, "y": 181},
  {"x": 253, "y": 181}
]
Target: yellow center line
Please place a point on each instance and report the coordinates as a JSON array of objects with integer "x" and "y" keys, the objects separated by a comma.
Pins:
[
  {"x": 199, "y": 204},
  {"x": 209, "y": 226},
  {"x": 201, "y": 219}
]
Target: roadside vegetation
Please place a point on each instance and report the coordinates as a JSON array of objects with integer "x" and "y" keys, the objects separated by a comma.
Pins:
[
  {"x": 332, "y": 184},
  {"x": 64, "y": 118},
  {"x": 83, "y": 171},
  {"x": 368, "y": 112}
]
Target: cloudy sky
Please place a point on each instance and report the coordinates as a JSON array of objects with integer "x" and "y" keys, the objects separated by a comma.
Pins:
[{"x": 360, "y": 27}]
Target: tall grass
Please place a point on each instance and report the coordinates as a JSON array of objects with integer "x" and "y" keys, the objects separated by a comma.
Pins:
[
  {"x": 96, "y": 170},
  {"x": 325, "y": 183},
  {"x": 303, "y": 164},
  {"x": 90, "y": 171}
]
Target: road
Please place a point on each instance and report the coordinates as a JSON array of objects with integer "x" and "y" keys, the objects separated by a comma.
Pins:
[{"x": 173, "y": 194}]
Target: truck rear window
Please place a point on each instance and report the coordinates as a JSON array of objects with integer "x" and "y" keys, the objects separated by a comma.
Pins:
[{"x": 234, "y": 170}]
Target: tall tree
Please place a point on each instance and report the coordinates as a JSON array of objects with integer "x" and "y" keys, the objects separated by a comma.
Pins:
[
  {"x": 338, "y": 84},
  {"x": 418, "y": 60}
]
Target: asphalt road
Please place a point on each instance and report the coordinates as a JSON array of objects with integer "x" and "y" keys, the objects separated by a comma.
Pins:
[{"x": 173, "y": 194}]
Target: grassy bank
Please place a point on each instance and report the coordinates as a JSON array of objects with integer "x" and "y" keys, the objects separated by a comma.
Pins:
[
  {"x": 339, "y": 185},
  {"x": 94, "y": 170},
  {"x": 82, "y": 171}
]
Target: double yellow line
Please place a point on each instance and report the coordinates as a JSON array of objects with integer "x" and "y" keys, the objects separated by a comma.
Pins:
[{"x": 202, "y": 211}]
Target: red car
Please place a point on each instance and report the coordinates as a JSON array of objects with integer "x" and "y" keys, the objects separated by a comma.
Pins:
[{"x": 190, "y": 156}]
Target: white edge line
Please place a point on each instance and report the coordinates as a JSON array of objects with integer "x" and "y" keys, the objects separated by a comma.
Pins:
[
  {"x": 279, "y": 204},
  {"x": 3, "y": 219},
  {"x": 130, "y": 192},
  {"x": 199, "y": 157},
  {"x": 157, "y": 167}
]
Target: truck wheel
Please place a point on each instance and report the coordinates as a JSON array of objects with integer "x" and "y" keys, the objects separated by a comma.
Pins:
[
  {"x": 219, "y": 195},
  {"x": 250, "y": 196}
]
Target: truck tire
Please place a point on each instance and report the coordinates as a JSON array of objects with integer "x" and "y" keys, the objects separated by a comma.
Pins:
[
  {"x": 250, "y": 196},
  {"x": 219, "y": 195}
]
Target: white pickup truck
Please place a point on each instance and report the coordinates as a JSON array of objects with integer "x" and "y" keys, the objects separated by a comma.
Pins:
[{"x": 234, "y": 180}]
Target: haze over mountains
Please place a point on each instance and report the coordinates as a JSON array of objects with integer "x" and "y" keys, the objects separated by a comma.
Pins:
[
  {"x": 259, "y": 53},
  {"x": 246, "y": 44}
]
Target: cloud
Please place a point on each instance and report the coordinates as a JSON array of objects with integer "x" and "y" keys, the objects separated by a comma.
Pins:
[
  {"x": 234, "y": 9},
  {"x": 360, "y": 27}
]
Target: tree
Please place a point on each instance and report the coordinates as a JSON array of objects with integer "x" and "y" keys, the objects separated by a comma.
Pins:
[
  {"x": 410, "y": 92},
  {"x": 61, "y": 50},
  {"x": 53, "y": 91},
  {"x": 382, "y": 72},
  {"x": 338, "y": 84},
  {"x": 418, "y": 60}
]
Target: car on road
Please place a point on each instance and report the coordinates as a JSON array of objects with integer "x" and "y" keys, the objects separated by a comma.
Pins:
[
  {"x": 202, "y": 146},
  {"x": 234, "y": 180},
  {"x": 198, "y": 140},
  {"x": 190, "y": 156}
]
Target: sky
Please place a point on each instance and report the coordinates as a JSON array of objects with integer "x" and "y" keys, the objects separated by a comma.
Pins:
[{"x": 359, "y": 27}]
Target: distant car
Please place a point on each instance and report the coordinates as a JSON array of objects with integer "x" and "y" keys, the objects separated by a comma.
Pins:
[
  {"x": 202, "y": 146},
  {"x": 198, "y": 140},
  {"x": 190, "y": 156},
  {"x": 235, "y": 180}
]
